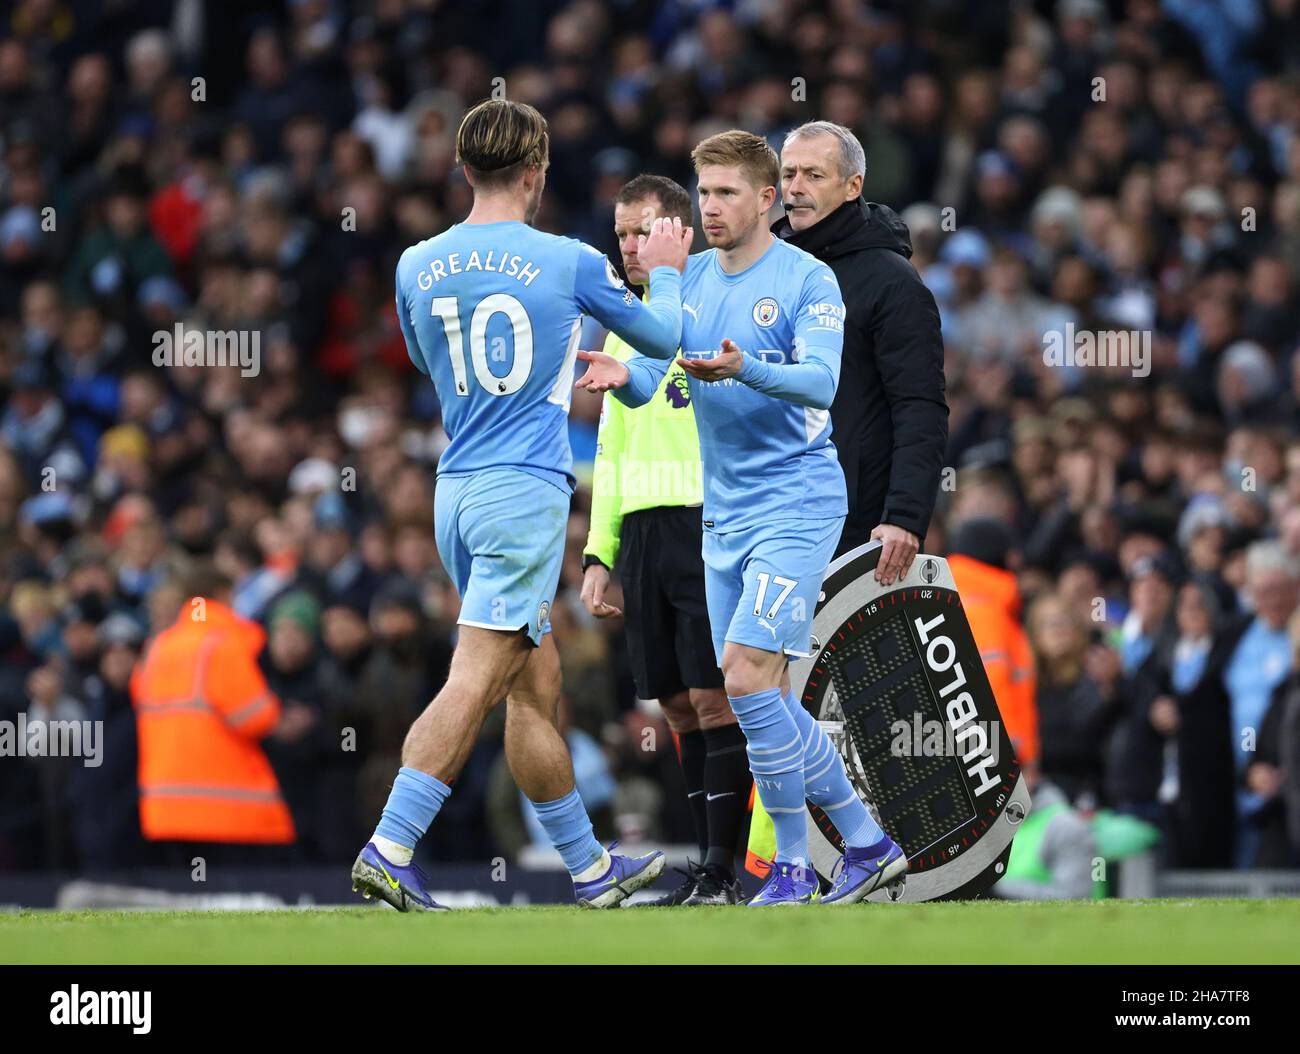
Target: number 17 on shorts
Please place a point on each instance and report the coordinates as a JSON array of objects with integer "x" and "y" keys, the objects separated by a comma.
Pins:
[{"x": 763, "y": 582}]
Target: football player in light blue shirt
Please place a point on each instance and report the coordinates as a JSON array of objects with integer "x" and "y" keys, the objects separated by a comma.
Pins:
[
  {"x": 491, "y": 311},
  {"x": 762, "y": 332}
]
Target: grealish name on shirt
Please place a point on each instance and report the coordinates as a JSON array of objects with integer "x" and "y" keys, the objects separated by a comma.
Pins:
[{"x": 512, "y": 266}]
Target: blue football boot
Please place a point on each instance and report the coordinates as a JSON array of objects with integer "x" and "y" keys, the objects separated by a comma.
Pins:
[
  {"x": 406, "y": 888},
  {"x": 786, "y": 884},
  {"x": 863, "y": 871},
  {"x": 626, "y": 874}
]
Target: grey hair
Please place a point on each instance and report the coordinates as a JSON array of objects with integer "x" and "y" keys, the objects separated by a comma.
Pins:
[
  {"x": 149, "y": 43},
  {"x": 1271, "y": 555},
  {"x": 853, "y": 159}
]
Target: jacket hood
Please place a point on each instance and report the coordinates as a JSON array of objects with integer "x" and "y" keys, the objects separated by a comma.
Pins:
[
  {"x": 996, "y": 586},
  {"x": 854, "y": 226}
]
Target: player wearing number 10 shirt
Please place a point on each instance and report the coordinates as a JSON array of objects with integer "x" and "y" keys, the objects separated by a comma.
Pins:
[{"x": 491, "y": 312}]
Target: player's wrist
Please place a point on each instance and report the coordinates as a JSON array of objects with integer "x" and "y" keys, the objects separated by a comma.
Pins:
[{"x": 590, "y": 560}]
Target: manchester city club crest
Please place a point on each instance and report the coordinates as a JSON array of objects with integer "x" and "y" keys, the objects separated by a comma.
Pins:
[{"x": 765, "y": 311}]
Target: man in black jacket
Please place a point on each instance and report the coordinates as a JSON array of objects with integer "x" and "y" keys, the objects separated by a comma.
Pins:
[{"x": 889, "y": 419}]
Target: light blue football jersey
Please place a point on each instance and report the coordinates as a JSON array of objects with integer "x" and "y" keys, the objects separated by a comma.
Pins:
[
  {"x": 765, "y": 436},
  {"x": 492, "y": 312}
]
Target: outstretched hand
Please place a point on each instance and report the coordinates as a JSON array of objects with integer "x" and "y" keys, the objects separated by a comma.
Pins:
[
  {"x": 726, "y": 363},
  {"x": 603, "y": 372}
]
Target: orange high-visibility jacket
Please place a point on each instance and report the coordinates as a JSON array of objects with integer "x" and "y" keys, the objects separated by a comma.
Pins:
[
  {"x": 991, "y": 599},
  {"x": 201, "y": 706}
]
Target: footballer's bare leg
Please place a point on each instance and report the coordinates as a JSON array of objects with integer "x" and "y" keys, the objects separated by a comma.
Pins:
[
  {"x": 535, "y": 750},
  {"x": 483, "y": 668},
  {"x": 539, "y": 761},
  {"x": 746, "y": 670}
]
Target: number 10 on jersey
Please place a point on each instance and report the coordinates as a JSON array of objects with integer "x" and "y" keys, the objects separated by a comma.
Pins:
[{"x": 446, "y": 308}]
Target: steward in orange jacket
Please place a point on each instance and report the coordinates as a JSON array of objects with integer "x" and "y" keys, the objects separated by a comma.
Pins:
[
  {"x": 978, "y": 558},
  {"x": 202, "y": 706}
]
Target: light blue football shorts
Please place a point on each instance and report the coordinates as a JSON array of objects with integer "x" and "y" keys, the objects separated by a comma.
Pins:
[
  {"x": 501, "y": 534},
  {"x": 762, "y": 582}
]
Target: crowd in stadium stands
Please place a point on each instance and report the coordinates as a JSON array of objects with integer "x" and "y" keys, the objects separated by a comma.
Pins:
[{"x": 1079, "y": 167}]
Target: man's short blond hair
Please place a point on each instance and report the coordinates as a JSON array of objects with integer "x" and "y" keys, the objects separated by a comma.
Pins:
[
  {"x": 750, "y": 153},
  {"x": 498, "y": 139}
]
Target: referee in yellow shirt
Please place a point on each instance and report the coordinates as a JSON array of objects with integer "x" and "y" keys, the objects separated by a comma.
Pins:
[{"x": 646, "y": 513}]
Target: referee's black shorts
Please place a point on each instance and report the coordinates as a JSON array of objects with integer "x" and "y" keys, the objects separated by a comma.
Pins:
[{"x": 667, "y": 618}]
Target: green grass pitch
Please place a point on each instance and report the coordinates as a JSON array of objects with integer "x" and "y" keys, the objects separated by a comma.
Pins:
[{"x": 982, "y": 932}]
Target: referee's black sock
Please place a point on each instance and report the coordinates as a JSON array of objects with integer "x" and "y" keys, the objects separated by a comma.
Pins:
[
  {"x": 692, "y": 756},
  {"x": 726, "y": 784}
]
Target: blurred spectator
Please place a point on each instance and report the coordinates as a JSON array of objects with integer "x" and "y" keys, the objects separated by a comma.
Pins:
[
  {"x": 1077, "y": 697},
  {"x": 1260, "y": 663},
  {"x": 300, "y": 745},
  {"x": 104, "y": 798},
  {"x": 1271, "y": 773}
]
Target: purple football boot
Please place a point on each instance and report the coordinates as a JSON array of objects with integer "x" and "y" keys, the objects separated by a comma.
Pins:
[
  {"x": 863, "y": 871},
  {"x": 626, "y": 874},
  {"x": 406, "y": 888},
  {"x": 786, "y": 884}
]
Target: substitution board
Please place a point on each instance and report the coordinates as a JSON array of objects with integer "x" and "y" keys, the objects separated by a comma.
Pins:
[{"x": 896, "y": 680}]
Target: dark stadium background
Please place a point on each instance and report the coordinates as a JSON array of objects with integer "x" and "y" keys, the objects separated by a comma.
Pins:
[{"x": 274, "y": 194}]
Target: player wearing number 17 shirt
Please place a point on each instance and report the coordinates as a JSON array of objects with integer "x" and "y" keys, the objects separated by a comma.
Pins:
[
  {"x": 491, "y": 311},
  {"x": 762, "y": 332}
]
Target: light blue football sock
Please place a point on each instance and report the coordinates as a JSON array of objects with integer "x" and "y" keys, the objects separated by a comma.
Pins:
[
  {"x": 776, "y": 751},
  {"x": 413, "y": 802},
  {"x": 827, "y": 783},
  {"x": 569, "y": 827}
]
